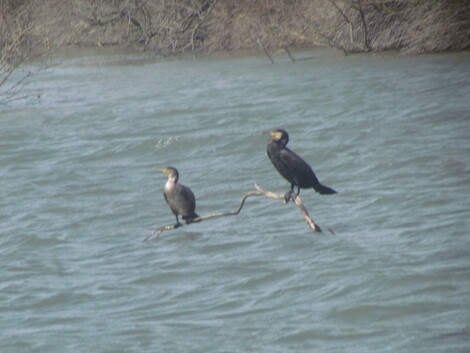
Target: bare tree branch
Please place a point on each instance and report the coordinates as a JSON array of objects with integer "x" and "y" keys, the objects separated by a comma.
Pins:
[
  {"x": 288, "y": 53},
  {"x": 364, "y": 25},
  {"x": 268, "y": 55},
  {"x": 346, "y": 18},
  {"x": 258, "y": 192},
  {"x": 16, "y": 48},
  {"x": 357, "y": 5},
  {"x": 208, "y": 12}
]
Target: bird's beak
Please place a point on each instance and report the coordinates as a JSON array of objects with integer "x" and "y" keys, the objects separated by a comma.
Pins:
[
  {"x": 268, "y": 132},
  {"x": 163, "y": 170},
  {"x": 275, "y": 134}
]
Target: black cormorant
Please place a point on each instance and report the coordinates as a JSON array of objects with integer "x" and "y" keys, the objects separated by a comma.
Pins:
[
  {"x": 179, "y": 198},
  {"x": 293, "y": 168}
]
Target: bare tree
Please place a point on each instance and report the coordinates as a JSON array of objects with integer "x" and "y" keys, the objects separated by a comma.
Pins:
[
  {"x": 15, "y": 25},
  {"x": 166, "y": 26},
  {"x": 348, "y": 17},
  {"x": 17, "y": 47}
]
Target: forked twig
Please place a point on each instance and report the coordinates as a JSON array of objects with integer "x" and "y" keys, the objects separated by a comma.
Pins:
[{"x": 258, "y": 192}]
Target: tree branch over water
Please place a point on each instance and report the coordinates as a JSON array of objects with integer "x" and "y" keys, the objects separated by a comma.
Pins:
[
  {"x": 258, "y": 192},
  {"x": 20, "y": 43}
]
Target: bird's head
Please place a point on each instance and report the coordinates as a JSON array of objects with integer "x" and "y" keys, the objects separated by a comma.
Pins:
[
  {"x": 280, "y": 135},
  {"x": 171, "y": 172}
]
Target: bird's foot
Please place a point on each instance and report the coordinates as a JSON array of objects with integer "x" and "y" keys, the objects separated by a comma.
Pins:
[
  {"x": 288, "y": 196},
  {"x": 177, "y": 225}
]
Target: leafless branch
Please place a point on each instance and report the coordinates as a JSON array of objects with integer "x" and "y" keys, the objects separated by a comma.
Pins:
[
  {"x": 288, "y": 53},
  {"x": 341, "y": 12},
  {"x": 360, "y": 9},
  {"x": 258, "y": 192},
  {"x": 268, "y": 55}
]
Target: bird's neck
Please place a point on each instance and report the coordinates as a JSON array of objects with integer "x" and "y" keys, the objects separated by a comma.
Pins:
[
  {"x": 278, "y": 143},
  {"x": 170, "y": 184}
]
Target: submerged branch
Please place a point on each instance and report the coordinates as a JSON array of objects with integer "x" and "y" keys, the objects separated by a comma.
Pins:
[
  {"x": 288, "y": 53},
  {"x": 258, "y": 192}
]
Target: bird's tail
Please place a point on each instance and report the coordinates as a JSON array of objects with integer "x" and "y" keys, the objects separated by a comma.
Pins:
[
  {"x": 189, "y": 218},
  {"x": 324, "y": 190}
]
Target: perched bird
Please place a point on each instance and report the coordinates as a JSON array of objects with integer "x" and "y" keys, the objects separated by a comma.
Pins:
[
  {"x": 179, "y": 198},
  {"x": 293, "y": 168}
]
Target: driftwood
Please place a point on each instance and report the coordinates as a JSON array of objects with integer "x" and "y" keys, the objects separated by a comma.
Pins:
[{"x": 258, "y": 192}]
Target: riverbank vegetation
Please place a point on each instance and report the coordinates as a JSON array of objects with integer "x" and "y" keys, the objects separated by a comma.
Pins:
[{"x": 171, "y": 27}]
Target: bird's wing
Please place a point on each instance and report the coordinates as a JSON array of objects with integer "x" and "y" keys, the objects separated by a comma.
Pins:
[
  {"x": 294, "y": 163},
  {"x": 188, "y": 195}
]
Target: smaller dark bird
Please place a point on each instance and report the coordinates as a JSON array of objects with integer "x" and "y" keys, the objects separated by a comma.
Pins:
[
  {"x": 293, "y": 168},
  {"x": 179, "y": 198}
]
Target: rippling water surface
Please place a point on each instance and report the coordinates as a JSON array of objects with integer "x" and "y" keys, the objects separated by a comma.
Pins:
[{"x": 79, "y": 192}]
